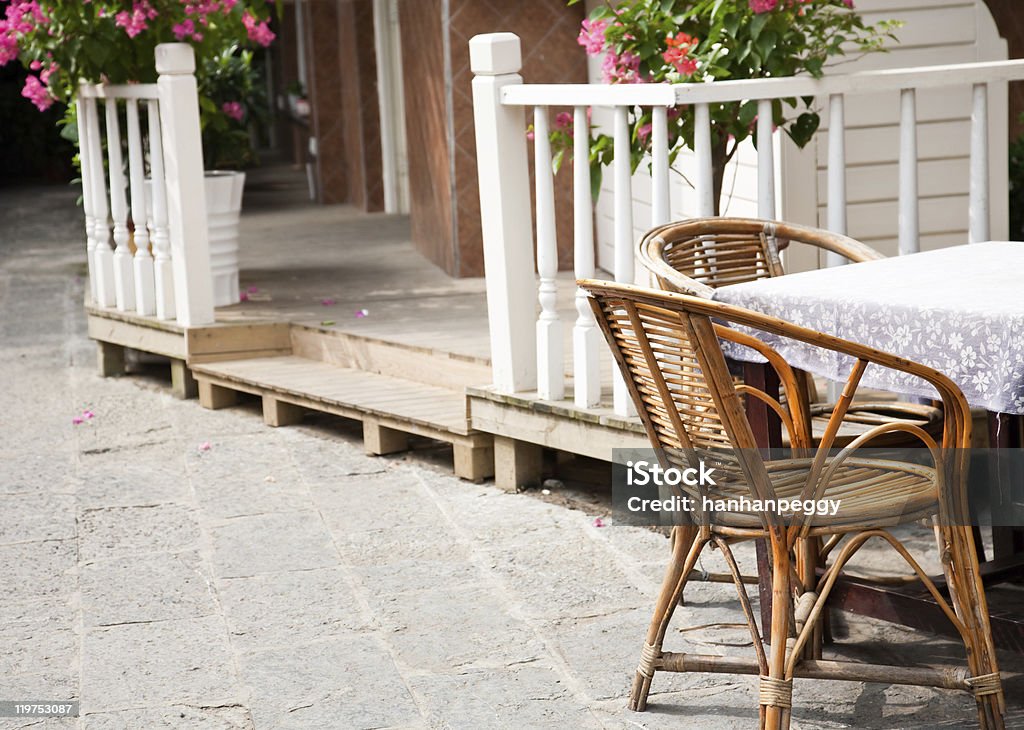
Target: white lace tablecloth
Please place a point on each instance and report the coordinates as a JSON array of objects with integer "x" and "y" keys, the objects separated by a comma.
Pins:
[{"x": 959, "y": 310}]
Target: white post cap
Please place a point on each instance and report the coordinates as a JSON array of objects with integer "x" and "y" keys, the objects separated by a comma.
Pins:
[
  {"x": 175, "y": 59},
  {"x": 493, "y": 54}
]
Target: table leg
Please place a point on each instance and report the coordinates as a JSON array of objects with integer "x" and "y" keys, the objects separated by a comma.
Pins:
[
  {"x": 767, "y": 430},
  {"x": 1004, "y": 432}
]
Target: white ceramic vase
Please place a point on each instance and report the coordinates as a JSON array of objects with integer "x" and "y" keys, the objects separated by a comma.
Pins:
[{"x": 223, "y": 207}]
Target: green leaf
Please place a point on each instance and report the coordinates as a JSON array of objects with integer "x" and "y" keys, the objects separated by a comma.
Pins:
[
  {"x": 595, "y": 181},
  {"x": 802, "y": 130},
  {"x": 758, "y": 24}
]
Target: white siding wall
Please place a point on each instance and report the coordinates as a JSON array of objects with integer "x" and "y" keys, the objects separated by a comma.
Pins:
[{"x": 935, "y": 31}]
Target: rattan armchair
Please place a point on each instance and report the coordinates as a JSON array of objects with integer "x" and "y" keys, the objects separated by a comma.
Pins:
[
  {"x": 700, "y": 255},
  {"x": 668, "y": 349}
]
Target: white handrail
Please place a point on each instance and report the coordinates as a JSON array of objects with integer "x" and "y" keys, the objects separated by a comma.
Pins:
[
  {"x": 119, "y": 91},
  {"x": 921, "y": 77}
]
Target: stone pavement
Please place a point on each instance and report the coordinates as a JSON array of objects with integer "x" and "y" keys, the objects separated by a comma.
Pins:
[{"x": 282, "y": 579}]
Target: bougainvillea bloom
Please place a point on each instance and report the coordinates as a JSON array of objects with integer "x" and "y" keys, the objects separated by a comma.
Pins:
[
  {"x": 233, "y": 109},
  {"x": 763, "y": 6},
  {"x": 591, "y": 36},
  {"x": 36, "y": 92},
  {"x": 621, "y": 68},
  {"x": 259, "y": 31}
]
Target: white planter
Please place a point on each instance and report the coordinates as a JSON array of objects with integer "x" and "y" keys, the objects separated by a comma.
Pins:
[{"x": 223, "y": 206}]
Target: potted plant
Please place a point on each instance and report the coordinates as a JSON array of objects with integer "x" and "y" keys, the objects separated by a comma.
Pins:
[
  {"x": 61, "y": 43},
  {"x": 699, "y": 41}
]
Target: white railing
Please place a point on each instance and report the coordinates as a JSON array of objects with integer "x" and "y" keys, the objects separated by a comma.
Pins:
[
  {"x": 168, "y": 276},
  {"x": 526, "y": 349}
]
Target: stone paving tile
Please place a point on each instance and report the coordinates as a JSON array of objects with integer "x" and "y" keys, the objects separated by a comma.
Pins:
[
  {"x": 124, "y": 531},
  {"x": 450, "y": 627},
  {"x": 36, "y": 646},
  {"x": 47, "y": 469},
  {"x": 389, "y": 499},
  {"x": 186, "y": 661},
  {"x": 40, "y": 516},
  {"x": 148, "y": 587},
  {"x": 288, "y": 609},
  {"x": 270, "y": 544},
  {"x": 45, "y": 569},
  {"x": 530, "y": 696},
  {"x": 348, "y": 682},
  {"x": 173, "y": 717}
]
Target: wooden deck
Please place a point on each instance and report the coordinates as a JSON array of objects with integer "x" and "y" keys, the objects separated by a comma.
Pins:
[{"x": 343, "y": 316}]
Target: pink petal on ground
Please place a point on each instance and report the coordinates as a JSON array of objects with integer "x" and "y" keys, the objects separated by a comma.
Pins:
[
  {"x": 360, "y": 313},
  {"x": 77, "y": 420},
  {"x": 88, "y": 415},
  {"x": 598, "y": 522},
  {"x": 253, "y": 289},
  {"x": 205, "y": 446},
  {"x": 243, "y": 297},
  {"x": 328, "y": 302}
]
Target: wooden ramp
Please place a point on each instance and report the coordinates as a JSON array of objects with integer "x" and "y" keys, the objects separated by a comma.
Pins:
[{"x": 390, "y": 408}]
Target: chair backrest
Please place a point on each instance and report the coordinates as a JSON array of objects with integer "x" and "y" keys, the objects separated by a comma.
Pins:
[
  {"x": 699, "y": 255},
  {"x": 677, "y": 375}
]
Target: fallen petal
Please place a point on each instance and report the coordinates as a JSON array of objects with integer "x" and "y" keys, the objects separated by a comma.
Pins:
[
  {"x": 243, "y": 297},
  {"x": 77, "y": 420},
  {"x": 327, "y": 302},
  {"x": 88, "y": 415},
  {"x": 253, "y": 289},
  {"x": 205, "y": 446},
  {"x": 360, "y": 313},
  {"x": 598, "y": 522}
]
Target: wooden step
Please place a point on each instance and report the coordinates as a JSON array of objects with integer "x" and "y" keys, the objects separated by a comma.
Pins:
[
  {"x": 390, "y": 408},
  {"x": 388, "y": 357}
]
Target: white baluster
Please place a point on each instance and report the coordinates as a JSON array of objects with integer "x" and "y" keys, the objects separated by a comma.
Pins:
[
  {"x": 504, "y": 181},
  {"x": 909, "y": 222},
  {"x": 124, "y": 286},
  {"x": 145, "y": 296},
  {"x": 836, "y": 173},
  {"x": 621, "y": 400},
  {"x": 979, "y": 201},
  {"x": 659, "y": 167},
  {"x": 765, "y": 161},
  {"x": 87, "y": 203},
  {"x": 186, "y": 189},
  {"x": 585, "y": 337},
  {"x": 702, "y": 152},
  {"x": 163, "y": 270},
  {"x": 550, "y": 355},
  {"x": 103, "y": 255}
]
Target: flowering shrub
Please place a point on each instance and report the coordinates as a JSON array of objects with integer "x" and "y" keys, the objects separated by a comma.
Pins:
[
  {"x": 61, "y": 42},
  {"x": 685, "y": 41}
]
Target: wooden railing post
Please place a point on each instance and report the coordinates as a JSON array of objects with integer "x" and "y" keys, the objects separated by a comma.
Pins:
[
  {"x": 186, "y": 198},
  {"x": 503, "y": 172}
]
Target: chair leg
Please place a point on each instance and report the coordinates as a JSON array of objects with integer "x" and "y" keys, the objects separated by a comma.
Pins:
[
  {"x": 970, "y": 604},
  {"x": 685, "y": 551},
  {"x": 775, "y": 692}
]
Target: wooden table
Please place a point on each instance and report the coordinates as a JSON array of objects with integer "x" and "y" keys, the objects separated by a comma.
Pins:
[{"x": 959, "y": 310}]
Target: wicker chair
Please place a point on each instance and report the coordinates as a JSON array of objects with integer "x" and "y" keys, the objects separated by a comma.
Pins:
[
  {"x": 667, "y": 347},
  {"x": 697, "y": 256}
]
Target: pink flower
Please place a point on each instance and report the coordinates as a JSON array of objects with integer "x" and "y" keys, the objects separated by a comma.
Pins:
[
  {"x": 563, "y": 120},
  {"x": 328, "y": 302},
  {"x": 591, "y": 36},
  {"x": 243, "y": 297},
  {"x": 77, "y": 420},
  {"x": 233, "y": 109},
  {"x": 259, "y": 31},
  {"x": 598, "y": 522},
  {"x": 763, "y": 6},
  {"x": 361, "y": 313},
  {"x": 36, "y": 92},
  {"x": 848, "y": 3},
  {"x": 621, "y": 69},
  {"x": 184, "y": 29},
  {"x": 205, "y": 446},
  {"x": 135, "y": 21},
  {"x": 88, "y": 415},
  {"x": 643, "y": 132},
  {"x": 530, "y": 134}
]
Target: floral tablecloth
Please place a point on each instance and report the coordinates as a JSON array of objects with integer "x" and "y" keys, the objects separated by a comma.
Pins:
[{"x": 959, "y": 310}]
